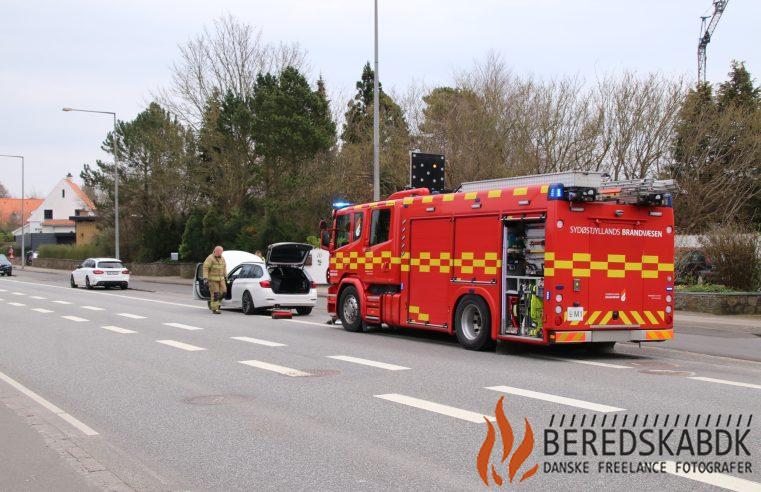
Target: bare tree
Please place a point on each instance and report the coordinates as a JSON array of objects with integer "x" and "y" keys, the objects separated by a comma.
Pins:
[
  {"x": 227, "y": 57},
  {"x": 4, "y": 191}
]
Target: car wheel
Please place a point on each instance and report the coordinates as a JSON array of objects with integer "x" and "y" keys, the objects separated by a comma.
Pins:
[
  {"x": 304, "y": 310},
  {"x": 473, "y": 324},
  {"x": 124, "y": 286},
  {"x": 71, "y": 281},
  {"x": 247, "y": 304},
  {"x": 349, "y": 310},
  {"x": 87, "y": 283}
]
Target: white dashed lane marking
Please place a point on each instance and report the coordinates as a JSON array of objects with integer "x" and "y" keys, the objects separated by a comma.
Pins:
[
  {"x": 258, "y": 341},
  {"x": 39, "y": 298},
  {"x": 75, "y": 318},
  {"x": 130, "y": 316},
  {"x": 434, "y": 407},
  {"x": 590, "y": 363},
  {"x": 562, "y": 400},
  {"x": 287, "y": 371},
  {"x": 62, "y": 302},
  {"x": 184, "y": 327},
  {"x": 42, "y": 310},
  {"x": 716, "y": 479},
  {"x": 180, "y": 345},
  {"x": 18, "y": 304},
  {"x": 724, "y": 381},
  {"x": 85, "y": 429},
  {"x": 18, "y": 294},
  {"x": 367, "y": 362},
  {"x": 93, "y": 308},
  {"x": 116, "y": 329}
]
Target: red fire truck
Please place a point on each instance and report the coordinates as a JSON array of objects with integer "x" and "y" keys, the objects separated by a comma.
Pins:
[{"x": 545, "y": 259}]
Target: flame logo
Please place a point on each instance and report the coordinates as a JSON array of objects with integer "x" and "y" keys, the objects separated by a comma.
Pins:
[
  {"x": 522, "y": 452},
  {"x": 623, "y": 296}
]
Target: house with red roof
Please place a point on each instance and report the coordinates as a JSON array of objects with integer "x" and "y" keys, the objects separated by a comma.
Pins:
[
  {"x": 10, "y": 210},
  {"x": 54, "y": 220}
]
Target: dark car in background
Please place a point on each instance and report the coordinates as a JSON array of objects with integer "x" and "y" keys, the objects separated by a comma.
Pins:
[
  {"x": 5, "y": 266},
  {"x": 693, "y": 267}
]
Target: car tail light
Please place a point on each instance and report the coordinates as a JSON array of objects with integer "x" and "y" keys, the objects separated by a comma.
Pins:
[
  {"x": 312, "y": 284},
  {"x": 125, "y": 271},
  {"x": 97, "y": 272},
  {"x": 265, "y": 284}
]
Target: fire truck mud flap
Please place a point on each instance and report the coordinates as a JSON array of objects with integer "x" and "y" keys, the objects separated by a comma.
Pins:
[{"x": 596, "y": 336}]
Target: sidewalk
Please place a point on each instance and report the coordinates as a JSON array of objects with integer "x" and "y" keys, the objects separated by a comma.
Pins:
[{"x": 27, "y": 462}]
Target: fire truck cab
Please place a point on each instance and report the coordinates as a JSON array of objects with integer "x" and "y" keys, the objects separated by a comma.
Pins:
[{"x": 545, "y": 259}]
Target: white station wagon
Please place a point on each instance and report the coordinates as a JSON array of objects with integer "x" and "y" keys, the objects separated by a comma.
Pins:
[
  {"x": 100, "y": 272},
  {"x": 255, "y": 285}
]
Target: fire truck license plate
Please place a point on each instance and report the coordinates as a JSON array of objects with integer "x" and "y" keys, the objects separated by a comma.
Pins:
[{"x": 575, "y": 314}]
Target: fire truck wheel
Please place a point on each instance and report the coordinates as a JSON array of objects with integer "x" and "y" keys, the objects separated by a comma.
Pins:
[
  {"x": 472, "y": 323},
  {"x": 349, "y": 310}
]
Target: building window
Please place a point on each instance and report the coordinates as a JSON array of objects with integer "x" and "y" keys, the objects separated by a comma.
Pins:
[{"x": 48, "y": 215}]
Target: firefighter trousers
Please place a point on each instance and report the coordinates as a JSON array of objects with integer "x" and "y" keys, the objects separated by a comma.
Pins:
[{"x": 217, "y": 291}]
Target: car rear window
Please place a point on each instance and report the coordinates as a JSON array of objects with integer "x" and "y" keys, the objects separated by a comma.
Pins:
[{"x": 110, "y": 264}]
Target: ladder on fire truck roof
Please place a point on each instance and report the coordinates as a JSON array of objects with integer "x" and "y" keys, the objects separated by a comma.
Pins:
[{"x": 632, "y": 190}]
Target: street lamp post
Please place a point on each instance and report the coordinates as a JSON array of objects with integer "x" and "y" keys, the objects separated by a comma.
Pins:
[
  {"x": 116, "y": 177},
  {"x": 376, "y": 123},
  {"x": 23, "y": 225}
]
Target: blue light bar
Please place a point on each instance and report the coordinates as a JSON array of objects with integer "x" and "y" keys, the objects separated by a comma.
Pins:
[
  {"x": 339, "y": 205},
  {"x": 556, "y": 192}
]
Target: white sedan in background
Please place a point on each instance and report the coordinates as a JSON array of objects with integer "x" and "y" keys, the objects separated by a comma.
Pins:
[
  {"x": 255, "y": 285},
  {"x": 100, "y": 272}
]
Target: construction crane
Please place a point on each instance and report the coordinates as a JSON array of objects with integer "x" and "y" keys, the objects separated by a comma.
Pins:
[{"x": 706, "y": 31}]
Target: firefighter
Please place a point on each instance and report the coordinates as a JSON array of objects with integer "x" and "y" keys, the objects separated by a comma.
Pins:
[{"x": 215, "y": 277}]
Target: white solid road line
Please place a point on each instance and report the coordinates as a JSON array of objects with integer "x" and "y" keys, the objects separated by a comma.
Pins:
[
  {"x": 75, "y": 318},
  {"x": 305, "y": 322},
  {"x": 724, "y": 381},
  {"x": 92, "y": 308},
  {"x": 194, "y": 306},
  {"x": 62, "y": 302},
  {"x": 457, "y": 413},
  {"x": 39, "y": 298},
  {"x": 42, "y": 310},
  {"x": 367, "y": 362},
  {"x": 184, "y": 327},
  {"x": 180, "y": 345},
  {"x": 287, "y": 371},
  {"x": 716, "y": 479},
  {"x": 259, "y": 341},
  {"x": 85, "y": 429},
  {"x": 556, "y": 399},
  {"x": 18, "y": 304},
  {"x": 116, "y": 329},
  {"x": 130, "y": 316},
  {"x": 591, "y": 363}
]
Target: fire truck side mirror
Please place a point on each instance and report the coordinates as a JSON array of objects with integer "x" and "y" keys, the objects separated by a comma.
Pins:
[{"x": 325, "y": 238}]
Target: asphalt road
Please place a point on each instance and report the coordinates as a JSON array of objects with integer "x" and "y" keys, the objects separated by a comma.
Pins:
[{"x": 145, "y": 389}]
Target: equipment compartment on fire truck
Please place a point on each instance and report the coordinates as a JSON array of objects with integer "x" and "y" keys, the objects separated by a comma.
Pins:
[{"x": 523, "y": 288}]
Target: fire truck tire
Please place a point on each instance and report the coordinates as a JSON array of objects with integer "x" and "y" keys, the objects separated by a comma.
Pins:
[
  {"x": 349, "y": 309},
  {"x": 472, "y": 321}
]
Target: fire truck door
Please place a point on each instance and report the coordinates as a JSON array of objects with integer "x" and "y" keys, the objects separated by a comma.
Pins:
[{"x": 429, "y": 271}]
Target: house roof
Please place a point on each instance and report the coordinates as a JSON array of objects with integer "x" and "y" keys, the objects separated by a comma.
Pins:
[
  {"x": 81, "y": 194},
  {"x": 11, "y": 206},
  {"x": 58, "y": 223}
]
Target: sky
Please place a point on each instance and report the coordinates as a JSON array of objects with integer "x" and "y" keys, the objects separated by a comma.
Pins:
[{"x": 113, "y": 55}]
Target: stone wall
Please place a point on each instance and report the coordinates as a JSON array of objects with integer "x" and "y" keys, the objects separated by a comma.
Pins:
[
  {"x": 184, "y": 270},
  {"x": 719, "y": 303}
]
